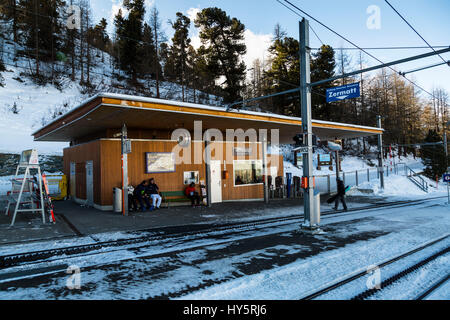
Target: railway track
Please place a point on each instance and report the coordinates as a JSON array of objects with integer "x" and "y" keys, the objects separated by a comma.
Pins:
[
  {"x": 433, "y": 288},
  {"x": 11, "y": 260},
  {"x": 392, "y": 279}
]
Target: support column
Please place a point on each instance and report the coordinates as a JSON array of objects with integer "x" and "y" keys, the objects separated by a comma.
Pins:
[
  {"x": 208, "y": 170},
  {"x": 265, "y": 170},
  {"x": 380, "y": 157},
  {"x": 337, "y": 164},
  {"x": 124, "y": 171},
  {"x": 305, "y": 102}
]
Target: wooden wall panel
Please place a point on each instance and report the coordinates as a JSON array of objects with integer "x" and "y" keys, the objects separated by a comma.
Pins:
[
  {"x": 107, "y": 167},
  {"x": 229, "y": 191},
  {"x": 168, "y": 181}
]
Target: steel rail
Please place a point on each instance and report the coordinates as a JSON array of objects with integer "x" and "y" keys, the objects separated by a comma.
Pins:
[
  {"x": 386, "y": 282},
  {"x": 7, "y": 261}
]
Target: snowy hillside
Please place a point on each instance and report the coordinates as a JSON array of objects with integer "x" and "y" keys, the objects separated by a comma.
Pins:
[{"x": 26, "y": 106}]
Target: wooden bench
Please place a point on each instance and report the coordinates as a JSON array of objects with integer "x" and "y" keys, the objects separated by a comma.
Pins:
[{"x": 174, "y": 196}]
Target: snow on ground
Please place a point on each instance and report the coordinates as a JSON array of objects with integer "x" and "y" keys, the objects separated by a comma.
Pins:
[
  {"x": 400, "y": 187},
  {"x": 33, "y": 103},
  {"x": 304, "y": 276},
  {"x": 141, "y": 278},
  {"x": 350, "y": 164}
]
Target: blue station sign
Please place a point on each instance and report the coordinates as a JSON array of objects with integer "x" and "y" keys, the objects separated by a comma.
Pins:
[
  {"x": 446, "y": 177},
  {"x": 343, "y": 92}
]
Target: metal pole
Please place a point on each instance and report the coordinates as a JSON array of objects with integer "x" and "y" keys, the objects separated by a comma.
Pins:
[
  {"x": 305, "y": 102},
  {"x": 380, "y": 150},
  {"x": 124, "y": 171},
  {"x": 329, "y": 184},
  {"x": 265, "y": 171},
  {"x": 337, "y": 165},
  {"x": 445, "y": 148},
  {"x": 446, "y": 163},
  {"x": 41, "y": 191},
  {"x": 208, "y": 173}
]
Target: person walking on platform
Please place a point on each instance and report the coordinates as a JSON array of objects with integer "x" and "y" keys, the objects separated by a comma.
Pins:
[
  {"x": 340, "y": 195},
  {"x": 153, "y": 192},
  {"x": 141, "y": 196},
  {"x": 193, "y": 195},
  {"x": 131, "y": 199}
]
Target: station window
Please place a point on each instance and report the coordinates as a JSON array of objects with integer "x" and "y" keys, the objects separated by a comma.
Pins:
[
  {"x": 190, "y": 176},
  {"x": 247, "y": 172}
]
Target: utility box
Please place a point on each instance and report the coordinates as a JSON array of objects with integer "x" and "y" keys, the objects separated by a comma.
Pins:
[{"x": 117, "y": 200}]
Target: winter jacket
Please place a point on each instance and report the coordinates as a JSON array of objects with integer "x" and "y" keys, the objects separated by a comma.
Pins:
[
  {"x": 152, "y": 189},
  {"x": 340, "y": 187},
  {"x": 140, "y": 190},
  {"x": 189, "y": 190}
]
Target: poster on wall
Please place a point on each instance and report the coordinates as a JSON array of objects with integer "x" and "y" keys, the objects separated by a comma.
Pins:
[{"x": 157, "y": 162}]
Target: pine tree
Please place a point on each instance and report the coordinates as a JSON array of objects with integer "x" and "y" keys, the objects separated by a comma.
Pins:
[
  {"x": 147, "y": 53},
  {"x": 284, "y": 74},
  {"x": 99, "y": 37},
  {"x": 41, "y": 29},
  {"x": 222, "y": 45},
  {"x": 433, "y": 156},
  {"x": 131, "y": 37},
  {"x": 119, "y": 40},
  {"x": 180, "y": 49},
  {"x": 159, "y": 38},
  {"x": 322, "y": 67}
]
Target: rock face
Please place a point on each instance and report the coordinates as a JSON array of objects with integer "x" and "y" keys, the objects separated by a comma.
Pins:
[{"x": 9, "y": 162}]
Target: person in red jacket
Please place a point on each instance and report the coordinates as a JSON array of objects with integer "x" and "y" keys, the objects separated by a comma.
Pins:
[{"x": 192, "y": 194}]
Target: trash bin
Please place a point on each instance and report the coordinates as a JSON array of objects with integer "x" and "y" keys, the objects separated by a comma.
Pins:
[
  {"x": 315, "y": 215},
  {"x": 117, "y": 199}
]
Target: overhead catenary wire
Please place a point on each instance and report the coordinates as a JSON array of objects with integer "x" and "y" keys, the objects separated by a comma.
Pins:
[
  {"x": 403, "y": 18},
  {"x": 315, "y": 33},
  {"x": 355, "y": 45},
  {"x": 390, "y": 48}
]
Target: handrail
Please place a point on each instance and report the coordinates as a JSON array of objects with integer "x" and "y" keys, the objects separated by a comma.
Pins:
[{"x": 416, "y": 179}]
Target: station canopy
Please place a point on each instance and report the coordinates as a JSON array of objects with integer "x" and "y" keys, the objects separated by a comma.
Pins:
[{"x": 111, "y": 111}]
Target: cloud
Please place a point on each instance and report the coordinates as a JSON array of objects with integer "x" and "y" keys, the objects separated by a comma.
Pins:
[
  {"x": 149, "y": 3},
  {"x": 116, "y": 6},
  {"x": 195, "y": 39},
  {"x": 192, "y": 13},
  {"x": 257, "y": 46}
]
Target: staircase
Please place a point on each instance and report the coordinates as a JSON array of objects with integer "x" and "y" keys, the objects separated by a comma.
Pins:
[{"x": 416, "y": 179}]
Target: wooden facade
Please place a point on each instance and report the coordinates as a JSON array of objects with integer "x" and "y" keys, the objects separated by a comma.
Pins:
[
  {"x": 94, "y": 129},
  {"x": 106, "y": 157}
]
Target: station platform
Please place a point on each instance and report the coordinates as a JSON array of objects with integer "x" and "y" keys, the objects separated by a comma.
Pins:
[{"x": 73, "y": 220}]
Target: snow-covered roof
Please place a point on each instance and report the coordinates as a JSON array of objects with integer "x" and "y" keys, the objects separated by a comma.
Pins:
[{"x": 234, "y": 117}]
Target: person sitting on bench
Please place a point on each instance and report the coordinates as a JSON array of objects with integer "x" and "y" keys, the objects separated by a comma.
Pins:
[
  {"x": 192, "y": 194},
  {"x": 141, "y": 196},
  {"x": 153, "y": 192}
]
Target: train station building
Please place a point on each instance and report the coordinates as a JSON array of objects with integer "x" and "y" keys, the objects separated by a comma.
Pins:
[{"x": 176, "y": 143}]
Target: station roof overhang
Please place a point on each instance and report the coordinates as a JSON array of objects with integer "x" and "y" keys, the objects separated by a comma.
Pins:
[{"x": 111, "y": 111}]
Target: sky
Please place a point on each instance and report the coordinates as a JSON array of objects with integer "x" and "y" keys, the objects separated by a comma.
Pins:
[{"x": 354, "y": 19}]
